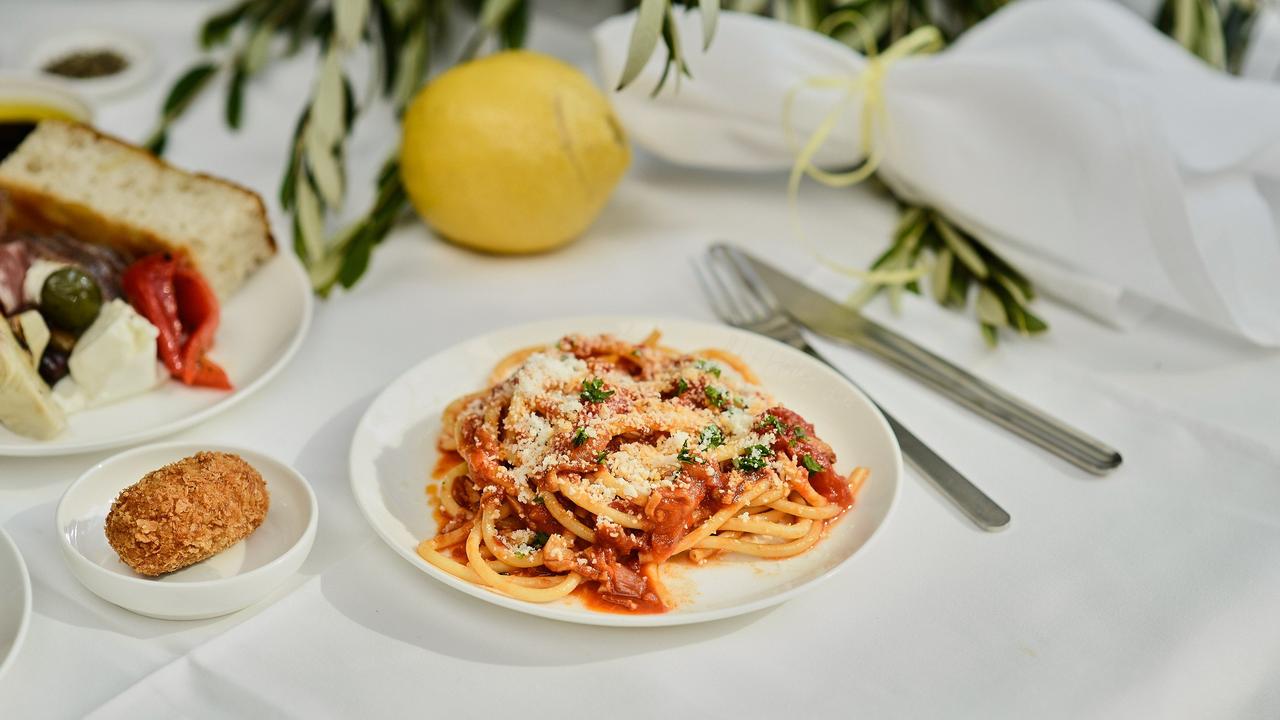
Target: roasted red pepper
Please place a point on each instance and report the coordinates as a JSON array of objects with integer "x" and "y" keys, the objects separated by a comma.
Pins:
[
  {"x": 209, "y": 374},
  {"x": 198, "y": 311},
  {"x": 175, "y": 298},
  {"x": 148, "y": 284}
]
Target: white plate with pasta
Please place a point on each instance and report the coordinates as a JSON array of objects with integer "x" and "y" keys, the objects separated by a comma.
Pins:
[{"x": 625, "y": 471}]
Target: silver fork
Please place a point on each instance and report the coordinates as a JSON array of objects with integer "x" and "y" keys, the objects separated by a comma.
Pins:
[{"x": 737, "y": 303}]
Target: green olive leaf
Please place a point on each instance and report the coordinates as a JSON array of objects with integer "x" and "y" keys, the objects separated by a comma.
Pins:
[
  {"x": 235, "y": 97},
  {"x": 941, "y": 279},
  {"x": 709, "y": 14},
  {"x": 349, "y": 19},
  {"x": 328, "y": 110},
  {"x": 961, "y": 279},
  {"x": 961, "y": 247},
  {"x": 1032, "y": 324},
  {"x": 1212, "y": 47},
  {"x": 1186, "y": 23},
  {"x": 186, "y": 89},
  {"x": 1013, "y": 288},
  {"x": 324, "y": 167},
  {"x": 258, "y": 51},
  {"x": 217, "y": 29},
  {"x": 287, "y": 192},
  {"x": 907, "y": 222},
  {"x": 310, "y": 220},
  {"x": 644, "y": 39},
  {"x": 413, "y": 67},
  {"x": 991, "y": 334},
  {"x": 155, "y": 144},
  {"x": 356, "y": 259},
  {"x": 514, "y": 28},
  {"x": 989, "y": 308},
  {"x": 391, "y": 37},
  {"x": 675, "y": 50}
]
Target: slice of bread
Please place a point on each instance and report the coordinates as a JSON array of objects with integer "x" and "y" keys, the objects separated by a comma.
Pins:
[
  {"x": 26, "y": 405},
  {"x": 67, "y": 176}
]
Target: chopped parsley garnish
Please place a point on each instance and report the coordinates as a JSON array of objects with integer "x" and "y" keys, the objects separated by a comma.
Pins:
[
  {"x": 681, "y": 386},
  {"x": 711, "y": 437},
  {"x": 799, "y": 432},
  {"x": 539, "y": 539},
  {"x": 716, "y": 397},
  {"x": 593, "y": 391},
  {"x": 537, "y": 500},
  {"x": 753, "y": 457},
  {"x": 774, "y": 422},
  {"x": 810, "y": 464},
  {"x": 600, "y": 456},
  {"x": 707, "y": 367},
  {"x": 685, "y": 456},
  {"x": 740, "y": 402},
  {"x": 581, "y": 436}
]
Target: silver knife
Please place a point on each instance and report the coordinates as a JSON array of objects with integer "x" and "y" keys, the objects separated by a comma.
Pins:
[{"x": 825, "y": 316}]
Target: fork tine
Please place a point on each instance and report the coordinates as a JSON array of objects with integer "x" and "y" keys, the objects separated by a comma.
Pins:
[
  {"x": 716, "y": 295},
  {"x": 747, "y": 277},
  {"x": 751, "y": 310}
]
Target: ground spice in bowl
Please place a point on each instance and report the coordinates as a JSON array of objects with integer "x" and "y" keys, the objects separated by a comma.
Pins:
[{"x": 87, "y": 64}]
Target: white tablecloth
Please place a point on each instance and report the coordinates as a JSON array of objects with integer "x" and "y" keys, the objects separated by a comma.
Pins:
[{"x": 1153, "y": 592}]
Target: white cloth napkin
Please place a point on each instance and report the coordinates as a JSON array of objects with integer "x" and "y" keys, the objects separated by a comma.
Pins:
[{"x": 1116, "y": 167}]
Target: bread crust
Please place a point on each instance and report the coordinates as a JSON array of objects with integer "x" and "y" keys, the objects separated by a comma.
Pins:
[{"x": 33, "y": 209}]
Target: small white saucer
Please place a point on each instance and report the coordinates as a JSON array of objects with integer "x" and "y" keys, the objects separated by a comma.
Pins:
[
  {"x": 15, "y": 600},
  {"x": 68, "y": 42},
  {"x": 229, "y": 581}
]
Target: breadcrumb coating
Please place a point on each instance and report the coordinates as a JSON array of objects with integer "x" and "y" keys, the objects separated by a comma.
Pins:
[{"x": 186, "y": 512}]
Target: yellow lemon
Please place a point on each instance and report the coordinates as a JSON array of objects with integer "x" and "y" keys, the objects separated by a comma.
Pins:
[{"x": 516, "y": 152}]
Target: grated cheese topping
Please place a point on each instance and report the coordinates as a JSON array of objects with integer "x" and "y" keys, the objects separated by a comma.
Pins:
[{"x": 638, "y": 432}]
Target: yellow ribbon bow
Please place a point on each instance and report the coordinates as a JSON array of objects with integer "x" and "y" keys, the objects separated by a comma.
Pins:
[{"x": 869, "y": 85}]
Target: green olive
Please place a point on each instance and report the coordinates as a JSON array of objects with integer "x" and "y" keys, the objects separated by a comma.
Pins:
[{"x": 70, "y": 299}]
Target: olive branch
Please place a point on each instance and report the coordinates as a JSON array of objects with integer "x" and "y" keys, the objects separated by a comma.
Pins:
[{"x": 251, "y": 34}]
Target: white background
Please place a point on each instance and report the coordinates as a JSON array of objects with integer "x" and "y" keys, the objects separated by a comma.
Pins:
[{"x": 1150, "y": 593}]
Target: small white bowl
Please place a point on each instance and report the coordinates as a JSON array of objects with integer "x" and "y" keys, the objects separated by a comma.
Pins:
[
  {"x": 229, "y": 581},
  {"x": 100, "y": 88},
  {"x": 39, "y": 92}
]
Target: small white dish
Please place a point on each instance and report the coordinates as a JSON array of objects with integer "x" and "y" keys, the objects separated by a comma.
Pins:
[
  {"x": 262, "y": 326},
  {"x": 394, "y": 450},
  {"x": 15, "y": 600},
  {"x": 135, "y": 53},
  {"x": 229, "y": 581}
]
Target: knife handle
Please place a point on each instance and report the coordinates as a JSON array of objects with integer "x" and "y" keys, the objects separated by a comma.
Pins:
[
  {"x": 981, "y": 509},
  {"x": 986, "y": 400},
  {"x": 975, "y": 504}
]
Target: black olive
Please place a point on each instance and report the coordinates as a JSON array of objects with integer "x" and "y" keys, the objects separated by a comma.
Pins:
[{"x": 53, "y": 365}]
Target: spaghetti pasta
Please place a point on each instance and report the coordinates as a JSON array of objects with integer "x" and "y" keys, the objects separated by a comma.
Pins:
[{"x": 592, "y": 462}]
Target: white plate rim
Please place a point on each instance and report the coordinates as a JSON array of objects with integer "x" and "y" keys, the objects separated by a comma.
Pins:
[
  {"x": 191, "y": 447},
  {"x": 25, "y": 578},
  {"x": 362, "y": 437},
  {"x": 53, "y": 448}
]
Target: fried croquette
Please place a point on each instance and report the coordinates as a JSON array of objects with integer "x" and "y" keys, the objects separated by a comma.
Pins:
[{"x": 186, "y": 512}]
